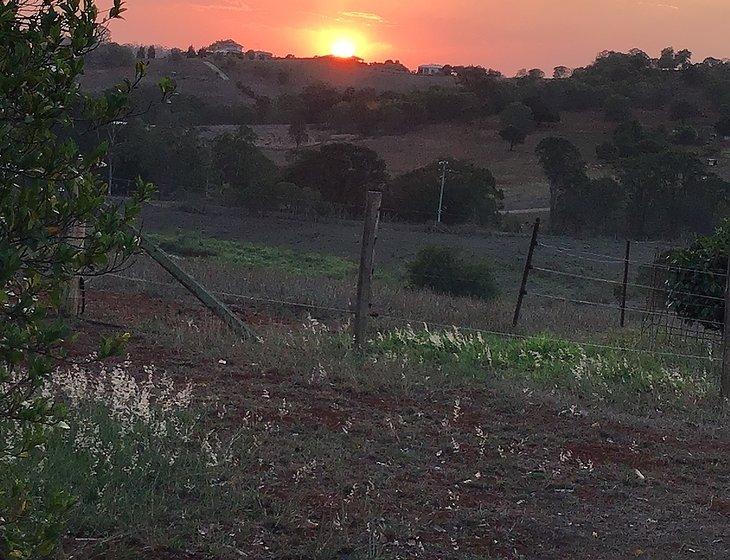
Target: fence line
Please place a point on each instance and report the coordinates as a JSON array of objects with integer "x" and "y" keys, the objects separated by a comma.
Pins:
[
  {"x": 239, "y": 296},
  {"x": 617, "y": 283},
  {"x": 412, "y": 321},
  {"x": 620, "y": 261}
]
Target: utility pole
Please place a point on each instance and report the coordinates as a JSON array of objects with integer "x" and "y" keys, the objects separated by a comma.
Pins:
[{"x": 444, "y": 168}]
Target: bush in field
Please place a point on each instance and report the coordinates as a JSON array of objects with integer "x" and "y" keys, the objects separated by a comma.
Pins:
[
  {"x": 695, "y": 284},
  {"x": 444, "y": 270}
]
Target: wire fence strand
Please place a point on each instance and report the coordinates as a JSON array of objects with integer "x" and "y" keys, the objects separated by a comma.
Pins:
[{"x": 429, "y": 323}]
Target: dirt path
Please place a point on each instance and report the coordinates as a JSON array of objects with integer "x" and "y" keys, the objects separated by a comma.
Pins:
[{"x": 221, "y": 74}]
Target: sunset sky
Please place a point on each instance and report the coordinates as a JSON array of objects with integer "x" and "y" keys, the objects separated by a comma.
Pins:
[{"x": 502, "y": 34}]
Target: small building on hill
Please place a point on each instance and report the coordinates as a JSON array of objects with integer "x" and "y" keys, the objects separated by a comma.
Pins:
[
  {"x": 259, "y": 55},
  {"x": 430, "y": 69},
  {"x": 226, "y": 46}
]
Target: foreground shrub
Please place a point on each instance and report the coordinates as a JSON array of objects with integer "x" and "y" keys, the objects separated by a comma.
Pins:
[
  {"x": 444, "y": 270},
  {"x": 695, "y": 279},
  {"x": 134, "y": 455}
]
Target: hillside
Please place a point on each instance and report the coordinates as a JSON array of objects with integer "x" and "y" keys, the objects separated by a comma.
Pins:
[
  {"x": 221, "y": 86},
  {"x": 270, "y": 77}
]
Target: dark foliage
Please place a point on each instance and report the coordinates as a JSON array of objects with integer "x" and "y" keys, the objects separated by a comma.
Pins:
[
  {"x": 445, "y": 270},
  {"x": 341, "y": 172},
  {"x": 470, "y": 195}
]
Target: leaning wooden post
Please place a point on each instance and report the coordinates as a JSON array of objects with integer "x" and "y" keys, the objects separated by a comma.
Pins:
[
  {"x": 627, "y": 259},
  {"x": 367, "y": 261},
  {"x": 725, "y": 373},
  {"x": 195, "y": 288},
  {"x": 526, "y": 272}
]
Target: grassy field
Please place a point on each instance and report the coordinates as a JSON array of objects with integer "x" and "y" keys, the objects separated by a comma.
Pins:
[
  {"x": 249, "y": 255},
  {"x": 428, "y": 446},
  {"x": 290, "y": 284}
]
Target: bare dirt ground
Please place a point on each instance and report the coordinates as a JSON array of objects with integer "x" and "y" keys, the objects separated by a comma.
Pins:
[{"x": 461, "y": 470}]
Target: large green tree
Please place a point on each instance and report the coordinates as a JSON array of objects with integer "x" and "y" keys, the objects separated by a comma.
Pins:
[
  {"x": 470, "y": 194},
  {"x": 54, "y": 226},
  {"x": 246, "y": 174},
  {"x": 341, "y": 172}
]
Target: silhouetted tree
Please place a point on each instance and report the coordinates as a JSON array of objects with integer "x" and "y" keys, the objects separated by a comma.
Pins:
[
  {"x": 243, "y": 168},
  {"x": 517, "y": 123},
  {"x": 471, "y": 194},
  {"x": 566, "y": 171},
  {"x": 341, "y": 172},
  {"x": 666, "y": 59},
  {"x": 151, "y": 52},
  {"x": 512, "y": 135},
  {"x": 561, "y": 72},
  {"x": 191, "y": 52},
  {"x": 298, "y": 132}
]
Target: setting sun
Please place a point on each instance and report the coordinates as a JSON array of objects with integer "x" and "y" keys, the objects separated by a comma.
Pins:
[{"x": 343, "y": 48}]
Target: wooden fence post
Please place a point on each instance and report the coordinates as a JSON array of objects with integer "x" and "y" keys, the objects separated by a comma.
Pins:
[
  {"x": 627, "y": 259},
  {"x": 367, "y": 260},
  {"x": 725, "y": 373},
  {"x": 197, "y": 289},
  {"x": 526, "y": 272}
]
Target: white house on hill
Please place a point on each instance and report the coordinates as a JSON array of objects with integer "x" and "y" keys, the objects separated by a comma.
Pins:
[{"x": 227, "y": 46}]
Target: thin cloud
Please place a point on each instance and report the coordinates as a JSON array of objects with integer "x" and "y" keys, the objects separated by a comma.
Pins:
[
  {"x": 368, "y": 16},
  {"x": 659, "y": 5},
  {"x": 231, "y": 5}
]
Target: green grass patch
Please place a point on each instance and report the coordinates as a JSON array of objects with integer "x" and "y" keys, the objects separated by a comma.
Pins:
[
  {"x": 251, "y": 255},
  {"x": 552, "y": 361}
]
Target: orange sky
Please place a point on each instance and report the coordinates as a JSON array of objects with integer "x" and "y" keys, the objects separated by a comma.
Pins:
[{"x": 503, "y": 34}]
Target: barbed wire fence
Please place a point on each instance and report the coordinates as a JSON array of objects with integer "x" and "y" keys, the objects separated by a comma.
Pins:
[{"x": 660, "y": 327}]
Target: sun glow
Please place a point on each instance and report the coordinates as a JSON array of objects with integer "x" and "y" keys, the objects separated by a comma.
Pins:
[{"x": 343, "y": 47}]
